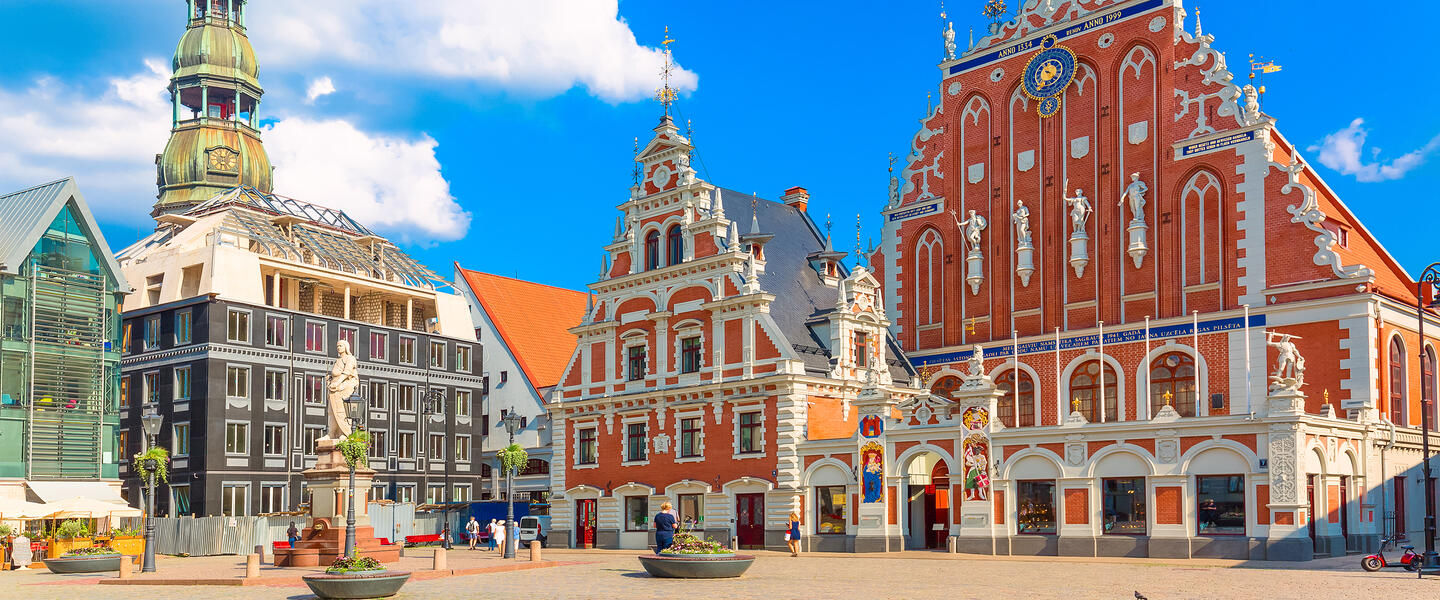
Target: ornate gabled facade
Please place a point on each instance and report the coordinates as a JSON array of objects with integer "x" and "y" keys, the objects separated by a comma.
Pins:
[
  {"x": 707, "y": 358},
  {"x": 1097, "y": 207}
]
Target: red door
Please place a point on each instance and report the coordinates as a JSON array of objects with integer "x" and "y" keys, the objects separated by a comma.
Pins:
[
  {"x": 585, "y": 521},
  {"x": 750, "y": 522}
]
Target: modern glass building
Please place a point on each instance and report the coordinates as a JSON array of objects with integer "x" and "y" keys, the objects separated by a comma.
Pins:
[{"x": 59, "y": 331}]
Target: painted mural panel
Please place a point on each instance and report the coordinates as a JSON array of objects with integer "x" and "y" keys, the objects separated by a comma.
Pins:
[{"x": 872, "y": 456}]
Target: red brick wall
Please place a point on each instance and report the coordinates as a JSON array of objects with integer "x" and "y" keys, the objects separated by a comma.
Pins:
[
  {"x": 1169, "y": 509},
  {"x": 893, "y": 502},
  {"x": 1077, "y": 506},
  {"x": 999, "y": 507},
  {"x": 1262, "y": 499}
]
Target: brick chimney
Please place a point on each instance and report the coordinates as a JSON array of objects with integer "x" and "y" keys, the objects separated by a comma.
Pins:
[{"x": 796, "y": 197}]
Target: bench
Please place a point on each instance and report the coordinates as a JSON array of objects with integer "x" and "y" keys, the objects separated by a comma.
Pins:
[
  {"x": 285, "y": 545},
  {"x": 417, "y": 540}
]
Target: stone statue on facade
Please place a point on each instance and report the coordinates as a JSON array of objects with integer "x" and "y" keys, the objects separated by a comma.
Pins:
[
  {"x": 1252, "y": 105},
  {"x": 974, "y": 257},
  {"x": 975, "y": 373},
  {"x": 1021, "y": 219},
  {"x": 972, "y": 227},
  {"x": 1289, "y": 366},
  {"x": 894, "y": 192},
  {"x": 1135, "y": 193},
  {"x": 344, "y": 379},
  {"x": 950, "y": 41},
  {"x": 1080, "y": 209},
  {"x": 1024, "y": 249}
]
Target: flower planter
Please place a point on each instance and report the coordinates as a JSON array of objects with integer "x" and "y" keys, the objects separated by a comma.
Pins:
[
  {"x": 85, "y": 564},
  {"x": 357, "y": 584},
  {"x": 59, "y": 547},
  {"x": 132, "y": 545},
  {"x": 696, "y": 566}
]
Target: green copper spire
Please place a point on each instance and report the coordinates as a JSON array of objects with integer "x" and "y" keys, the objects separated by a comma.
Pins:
[{"x": 215, "y": 91}]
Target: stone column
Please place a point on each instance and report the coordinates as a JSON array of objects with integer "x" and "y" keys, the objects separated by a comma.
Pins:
[
  {"x": 875, "y": 533},
  {"x": 1289, "y": 539},
  {"x": 975, "y": 403}
]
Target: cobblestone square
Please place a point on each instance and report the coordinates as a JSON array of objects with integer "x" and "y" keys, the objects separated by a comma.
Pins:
[{"x": 616, "y": 574}]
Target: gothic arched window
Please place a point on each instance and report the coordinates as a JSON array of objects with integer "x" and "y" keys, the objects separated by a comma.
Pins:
[
  {"x": 945, "y": 387},
  {"x": 1397, "y": 382},
  {"x": 674, "y": 246},
  {"x": 1010, "y": 407},
  {"x": 1427, "y": 382},
  {"x": 1172, "y": 380},
  {"x": 652, "y": 250},
  {"x": 929, "y": 259},
  {"x": 1086, "y": 388}
]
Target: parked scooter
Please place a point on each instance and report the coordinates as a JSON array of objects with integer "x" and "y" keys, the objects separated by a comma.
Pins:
[{"x": 1410, "y": 560}]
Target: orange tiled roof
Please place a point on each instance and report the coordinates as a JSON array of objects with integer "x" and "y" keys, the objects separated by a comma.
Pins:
[{"x": 533, "y": 320}]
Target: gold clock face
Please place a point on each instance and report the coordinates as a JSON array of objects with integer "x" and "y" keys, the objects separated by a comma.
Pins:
[{"x": 222, "y": 159}]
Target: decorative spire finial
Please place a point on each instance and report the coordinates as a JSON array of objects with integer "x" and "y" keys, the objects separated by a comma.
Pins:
[
  {"x": 1197, "y": 23},
  {"x": 859, "y": 255},
  {"x": 754, "y": 215},
  {"x": 666, "y": 95},
  {"x": 635, "y": 171},
  {"x": 829, "y": 246},
  {"x": 994, "y": 10}
]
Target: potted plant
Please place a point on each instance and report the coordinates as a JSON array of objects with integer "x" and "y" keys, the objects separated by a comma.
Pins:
[
  {"x": 691, "y": 557},
  {"x": 97, "y": 559},
  {"x": 69, "y": 535},
  {"x": 127, "y": 541},
  {"x": 356, "y": 576}
]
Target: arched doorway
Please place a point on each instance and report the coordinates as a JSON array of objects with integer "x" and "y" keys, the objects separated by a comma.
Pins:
[{"x": 927, "y": 507}]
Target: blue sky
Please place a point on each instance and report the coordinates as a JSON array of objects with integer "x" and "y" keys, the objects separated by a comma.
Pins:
[{"x": 499, "y": 134}]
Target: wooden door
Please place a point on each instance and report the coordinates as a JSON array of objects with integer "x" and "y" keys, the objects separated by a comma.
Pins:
[
  {"x": 750, "y": 520},
  {"x": 585, "y": 519}
]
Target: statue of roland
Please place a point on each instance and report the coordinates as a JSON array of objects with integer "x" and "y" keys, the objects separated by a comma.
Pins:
[{"x": 343, "y": 381}]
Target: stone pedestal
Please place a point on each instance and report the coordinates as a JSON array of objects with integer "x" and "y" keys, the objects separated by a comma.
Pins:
[
  {"x": 323, "y": 539},
  {"x": 1025, "y": 262},
  {"x": 1289, "y": 537},
  {"x": 975, "y": 403},
  {"x": 975, "y": 270},
  {"x": 1137, "y": 249},
  {"x": 1079, "y": 252},
  {"x": 875, "y": 531}
]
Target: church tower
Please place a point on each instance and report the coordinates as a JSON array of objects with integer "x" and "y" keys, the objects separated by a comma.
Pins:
[{"x": 215, "y": 91}]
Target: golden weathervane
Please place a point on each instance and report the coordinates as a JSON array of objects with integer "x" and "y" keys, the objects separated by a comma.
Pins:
[{"x": 666, "y": 94}]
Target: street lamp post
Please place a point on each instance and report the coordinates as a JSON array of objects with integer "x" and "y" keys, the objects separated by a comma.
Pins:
[
  {"x": 512, "y": 423},
  {"x": 435, "y": 405},
  {"x": 150, "y": 421},
  {"x": 354, "y": 411},
  {"x": 1430, "y": 277}
]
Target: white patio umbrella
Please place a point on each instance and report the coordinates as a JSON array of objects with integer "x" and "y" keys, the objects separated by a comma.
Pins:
[
  {"x": 82, "y": 507},
  {"x": 21, "y": 510}
]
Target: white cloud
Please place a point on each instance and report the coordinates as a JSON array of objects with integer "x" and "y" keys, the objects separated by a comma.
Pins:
[
  {"x": 543, "y": 47},
  {"x": 108, "y": 140},
  {"x": 1343, "y": 151},
  {"x": 386, "y": 183},
  {"x": 319, "y": 86}
]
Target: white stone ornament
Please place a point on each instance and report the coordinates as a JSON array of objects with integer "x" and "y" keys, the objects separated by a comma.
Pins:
[
  {"x": 1080, "y": 211},
  {"x": 950, "y": 42},
  {"x": 662, "y": 443},
  {"x": 1024, "y": 249},
  {"x": 1252, "y": 105},
  {"x": 1135, "y": 195},
  {"x": 1139, "y": 132},
  {"x": 975, "y": 173},
  {"x": 972, "y": 227},
  {"x": 1080, "y": 147},
  {"x": 954, "y": 89},
  {"x": 1156, "y": 24},
  {"x": 975, "y": 373},
  {"x": 997, "y": 75},
  {"x": 1167, "y": 450},
  {"x": 1289, "y": 372},
  {"x": 1105, "y": 40}
]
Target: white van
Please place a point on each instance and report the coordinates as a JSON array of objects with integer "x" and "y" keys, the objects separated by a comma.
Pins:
[{"x": 530, "y": 531}]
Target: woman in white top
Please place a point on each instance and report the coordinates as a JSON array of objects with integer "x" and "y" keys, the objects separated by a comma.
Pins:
[{"x": 500, "y": 534}]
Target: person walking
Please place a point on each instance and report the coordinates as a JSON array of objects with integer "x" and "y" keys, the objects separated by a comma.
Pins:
[
  {"x": 664, "y": 528},
  {"x": 292, "y": 534},
  {"x": 472, "y": 531},
  {"x": 792, "y": 536},
  {"x": 500, "y": 536},
  {"x": 491, "y": 531}
]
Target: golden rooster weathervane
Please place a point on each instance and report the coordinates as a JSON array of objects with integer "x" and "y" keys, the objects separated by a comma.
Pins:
[{"x": 666, "y": 94}]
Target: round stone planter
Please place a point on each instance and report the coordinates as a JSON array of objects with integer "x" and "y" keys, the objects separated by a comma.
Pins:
[
  {"x": 85, "y": 564},
  {"x": 357, "y": 584},
  {"x": 696, "y": 566}
]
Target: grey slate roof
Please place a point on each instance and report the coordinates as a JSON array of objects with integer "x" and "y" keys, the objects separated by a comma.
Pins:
[
  {"x": 799, "y": 294},
  {"x": 25, "y": 214}
]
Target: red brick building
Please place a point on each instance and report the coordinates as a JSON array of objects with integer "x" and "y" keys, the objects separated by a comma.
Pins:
[
  {"x": 705, "y": 361},
  {"x": 1099, "y": 206}
]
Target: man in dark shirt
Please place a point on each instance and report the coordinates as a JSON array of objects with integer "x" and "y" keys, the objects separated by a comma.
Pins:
[{"x": 664, "y": 528}]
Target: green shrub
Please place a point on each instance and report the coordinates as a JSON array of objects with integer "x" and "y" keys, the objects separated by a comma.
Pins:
[
  {"x": 689, "y": 543},
  {"x": 96, "y": 551},
  {"x": 355, "y": 447},
  {"x": 346, "y": 564},
  {"x": 71, "y": 529},
  {"x": 162, "y": 464}
]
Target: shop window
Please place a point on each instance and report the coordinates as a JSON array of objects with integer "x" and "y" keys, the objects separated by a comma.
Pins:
[
  {"x": 1123, "y": 503},
  {"x": 692, "y": 510},
  {"x": 1220, "y": 504},
  {"x": 830, "y": 510},
  {"x": 1014, "y": 406},
  {"x": 1087, "y": 392},
  {"x": 637, "y": 513},
  {"x": 1035, "y": 507},
  {"x": 1172, "y": 381},
  {"x": 587, "y": 448}
]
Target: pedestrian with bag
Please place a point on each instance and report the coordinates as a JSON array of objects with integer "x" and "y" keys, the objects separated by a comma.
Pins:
[
  {"x": 664, "y": 528},
  {"x": 292, "y": 534},
  {"x": 472, "y": 531},
  {"x": 792, "y": 534}
]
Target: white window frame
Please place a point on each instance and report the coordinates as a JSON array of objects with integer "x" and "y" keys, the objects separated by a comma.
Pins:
[
  {"x": 414, "y": 392},
  {"x": 306, "y": 388},
  {"x": 378, "y": 443},
  {"x": 176, "y": 387},
  {"x": 679, "y": 436},
  {"x": 284, "y": 321},
  {"x": 735, "y": 411},
  {"x": 625, "y": 424},
  {"x": 244, "y": 500},
  {"x": 400, "y": 445},
  {"x": 456, "y": 496},
  {"x": 433, "y": 355},
  {"x": 284, "y": 381},
  {"x": 688, "y": 329},
  {"x": 575, "y": 445},
  {"x": 430, "y": 447},
  {"x": 323, "y": 335},
  {"x": 189, "y": 327},
  {"x": 469, "y": 449},
  {"x": 232, "y": 313},
  {"x": 406, "y": 491},
  {"x": 150, "y": 387},
  {"x": 467, "y": 396},
  {"x": 354, "y": 340},
  {"x": 384, "y": 346},
  {"x": 400, "y": 349},
  {"x": 265, "y": 496},
  {"x": 464, "y": 366},
  {"x": 628, "y": 342},
  {"x": 230, "y": 378},
  {"x": 175, "y": 447},
  {"x": 284, "y": 441},
  {"x": 308, "y": 448},
  {"x": 245, "y": 451},
  {"x": 370, "y": 394},
  {"x": 431, "y": 489},
  {"x": 150, "y": 337}
]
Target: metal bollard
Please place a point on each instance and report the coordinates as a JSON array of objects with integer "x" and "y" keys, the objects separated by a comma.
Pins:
[
  {"x": 252, "y": 566},
  {"x": 440, "y": 562},
  {"x": 535, "y": 551},
  {"x": 950, "y": 543}
]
